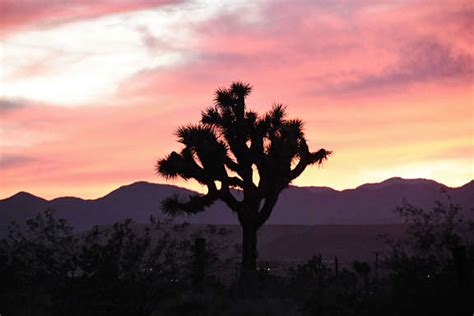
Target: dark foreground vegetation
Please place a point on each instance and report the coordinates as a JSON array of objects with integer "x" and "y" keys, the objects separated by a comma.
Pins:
[{"x": 47, "y": 269}]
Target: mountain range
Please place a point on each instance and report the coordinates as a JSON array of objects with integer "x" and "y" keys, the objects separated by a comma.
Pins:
[{"x": 367, "y": 204}]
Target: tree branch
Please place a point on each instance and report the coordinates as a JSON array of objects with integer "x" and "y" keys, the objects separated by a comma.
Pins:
[
  {"x": 308, "y": 159},
  {"x": 267, "y": 208},
  {"x": 229, "y": 199},
  {"x": 234, "y": 182},
  {"x": 196, "y": 203}
]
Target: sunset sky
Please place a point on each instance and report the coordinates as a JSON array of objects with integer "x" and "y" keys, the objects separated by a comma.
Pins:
[{"x": 93, "y": 90}]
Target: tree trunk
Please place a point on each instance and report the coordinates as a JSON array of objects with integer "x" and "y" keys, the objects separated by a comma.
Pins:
[{"x": 249, "y": 248}]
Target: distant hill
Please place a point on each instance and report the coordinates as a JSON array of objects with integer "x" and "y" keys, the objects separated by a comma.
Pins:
[{"x": 367, "y": 204}]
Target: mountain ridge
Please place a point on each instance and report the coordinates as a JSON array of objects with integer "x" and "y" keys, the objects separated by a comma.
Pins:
[
  {"x": 371, "y": 203},
  {"x": 390, "y": 181}
]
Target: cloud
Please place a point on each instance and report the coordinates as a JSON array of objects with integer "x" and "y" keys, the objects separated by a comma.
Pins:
[
  {"x": 324, "y": 48},
  {"x": 151, "y": 42},
  {"x": 79, "y": 63},
  {"x": 19, "y": 15},
  {"x": 13, "y": 160},
  {"x": 422, "y": 61},
  {"x": 7, "y": 104}
]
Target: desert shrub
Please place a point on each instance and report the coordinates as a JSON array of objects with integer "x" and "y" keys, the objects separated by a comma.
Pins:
[
  {"x": 429, "y": 271},
  {"x": 431, "y": 267},
  {"x": 123, "y": 269},
  {"x": 318, "y": 290}
]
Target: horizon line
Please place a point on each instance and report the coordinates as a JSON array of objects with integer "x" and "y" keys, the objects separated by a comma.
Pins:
[{"x": 181, "y": 187}]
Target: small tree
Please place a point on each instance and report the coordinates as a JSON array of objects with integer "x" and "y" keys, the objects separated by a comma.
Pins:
[{"x": 224, "y": 150}]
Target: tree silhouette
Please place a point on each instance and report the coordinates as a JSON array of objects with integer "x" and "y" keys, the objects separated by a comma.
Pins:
[{"x": 226, "y": 149}]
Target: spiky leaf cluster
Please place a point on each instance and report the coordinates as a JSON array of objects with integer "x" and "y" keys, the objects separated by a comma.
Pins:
[{"x": 228, "y": 144}]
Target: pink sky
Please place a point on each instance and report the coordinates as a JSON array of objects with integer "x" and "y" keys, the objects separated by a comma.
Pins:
[{"x": 92, "y": 91}]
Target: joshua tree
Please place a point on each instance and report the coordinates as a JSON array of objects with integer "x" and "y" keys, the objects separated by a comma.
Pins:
[{"x": 230, "y": 147}]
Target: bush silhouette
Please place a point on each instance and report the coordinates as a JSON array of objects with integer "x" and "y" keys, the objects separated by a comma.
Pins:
[
  {"x": 431, "y": 267},
  {"x": 123, "y": 269}
]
